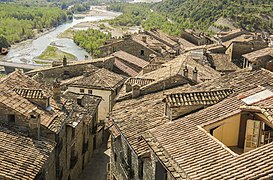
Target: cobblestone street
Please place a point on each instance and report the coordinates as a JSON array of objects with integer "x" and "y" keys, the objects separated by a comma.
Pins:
[{"x": 97, "y": 166}]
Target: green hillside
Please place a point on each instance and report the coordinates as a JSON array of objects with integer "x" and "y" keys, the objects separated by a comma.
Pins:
[
  {"x": 200, "y": 14},
  {"x": 172, "y": 15}
]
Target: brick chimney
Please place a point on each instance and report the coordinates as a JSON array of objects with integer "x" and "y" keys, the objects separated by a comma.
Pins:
[
  {"x": 34, "y": 124},
  {"x": 135, "y": 90},
  {"x": 186, "y": 72},
  {"x": 194, "y": 74},
  {"x": 64, "y": 61},
  {"x": 56, "y": 91}
]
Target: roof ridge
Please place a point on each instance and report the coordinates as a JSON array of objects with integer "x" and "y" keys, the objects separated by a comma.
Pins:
[{"x": 102, "y": 78}]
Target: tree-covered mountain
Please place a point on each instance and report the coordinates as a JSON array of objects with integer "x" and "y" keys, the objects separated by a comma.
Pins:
[
  {"x": 172, "y": 15},
  {"x": 251, "y": 15}
]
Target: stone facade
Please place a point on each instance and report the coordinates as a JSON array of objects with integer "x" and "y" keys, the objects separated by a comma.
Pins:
[
  {"x": 72, "y": 126},
  {"x": 237, "y": 49},
  {"x": 195, "y": 38},
  {"x": 130, "y": 46}
]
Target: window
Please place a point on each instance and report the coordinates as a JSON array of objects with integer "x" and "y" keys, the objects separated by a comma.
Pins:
[
  {"x": 73, "y": 133},
  {"x": 11, "y": 118},
  {"x": 89, "y": 91},
  {"x": 81, "y": 90},
  {"x": 115, "y": 157},
  {"x": 66, "y": 73},
  {"x": 142, "y": 52}
]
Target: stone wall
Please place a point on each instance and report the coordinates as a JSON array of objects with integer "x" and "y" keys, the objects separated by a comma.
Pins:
[
  {"x": 130, "y": 46},
  {"x": 49, "y": 75},
  {"x": 122, "y": 155},
  {"x": 237, "y": 49}
]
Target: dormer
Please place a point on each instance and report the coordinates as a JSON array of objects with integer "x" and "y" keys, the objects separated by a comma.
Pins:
[{"x": 181, "y": 104}]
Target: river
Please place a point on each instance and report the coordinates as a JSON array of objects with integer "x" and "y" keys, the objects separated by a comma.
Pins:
[{"x": 26, "y": 51}]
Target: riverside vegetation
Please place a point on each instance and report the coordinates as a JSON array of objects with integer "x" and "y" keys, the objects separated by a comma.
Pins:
[
  {"x": 23, "y": 19},
  {"x": 91, "y": 40}
]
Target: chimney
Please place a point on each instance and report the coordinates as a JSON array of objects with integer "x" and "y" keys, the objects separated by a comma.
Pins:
[
  {"x": 135, "y": 90},
  {"x": 194, "y": 74},
  {"x": 64, "y": 61},
  {"x": 56, "y": 91},
  {"x": 144, "y": 39},
  {"x": 34, "y": 124},
  {"x": 186, "y": 72},
  {"x": 151, "y": 57},
  {"x": 80, "y": 100}
]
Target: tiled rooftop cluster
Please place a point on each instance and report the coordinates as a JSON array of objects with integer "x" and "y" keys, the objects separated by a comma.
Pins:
[
  {"x": 22, "y": 157},
  {"x": 197, "y": 98},
  {"x": 185, "y": 149}
]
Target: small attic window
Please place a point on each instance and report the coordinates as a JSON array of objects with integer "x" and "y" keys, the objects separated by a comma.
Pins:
[{"x": 142, "y": 52}]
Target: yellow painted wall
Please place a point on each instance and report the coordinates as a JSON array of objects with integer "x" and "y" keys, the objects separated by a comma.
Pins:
[{"x": 228, "y": 132}]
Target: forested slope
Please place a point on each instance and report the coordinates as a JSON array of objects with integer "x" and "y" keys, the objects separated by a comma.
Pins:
[
  {"x": 247, "y": 14},
  {"x": 18, "y": 22},
  {"x": 172, "y": 15}
]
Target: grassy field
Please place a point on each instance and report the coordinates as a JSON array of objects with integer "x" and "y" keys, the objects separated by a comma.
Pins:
[
  {"x": 54, "y": 54},
  {"x": 67, "y": 34}
]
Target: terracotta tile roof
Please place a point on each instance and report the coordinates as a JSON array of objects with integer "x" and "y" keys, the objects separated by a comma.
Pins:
[
  {"x": 100, "y": 79},
  {"x": 70, "y": 65},
  {"x": 206, "y": 98},
  {"x": 78, "y": 112},
  {"x": 159, "y": 35},
  {"x": 139, "y": 81},
  {"x": 113, "y": 129},
  {"x": 22, "y": 157},
  {"x": 123, "y": 67},
  {"x": 30, "y": 93},
  {"x": 186, "y": 44},
  {"x": 172, "y": 69},
  {"x": 252, "y": 56},
  {"x": 14, "y": 102},
  {"x": 188, "y": 150},
  {"x": 152, "y": 42},
  {"x": 134, "y": 117},
  {"x": 130, "y": 59},
  {"x": 222, "y": 62}
]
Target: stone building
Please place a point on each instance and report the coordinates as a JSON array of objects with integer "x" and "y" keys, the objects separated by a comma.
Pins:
[
  {"x": 224, "y": 141},
  {"x": 136, "y": 111},
  {"x": 262, "y": 58},
  {"x": 84, "y": 132},
  {"x": 34, "y": 111},
  {"x": 122, "y": 63},
  {"x": 195, "y": 37},
  {"x": 49, "y": 75},
  {"x": 25, "y": 158},
  {"x": 144, "y": 44},
  {"x": 179, "y": 71},
  {"x": 102, "y": 82},
  {"x": 237, "y": 48},
  {"x": 229, "y": 35},
  {"x": 159, "y": 135}
]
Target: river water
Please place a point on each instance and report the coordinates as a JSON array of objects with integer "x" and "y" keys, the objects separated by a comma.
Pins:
[{"x": 26, "y": 51}]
